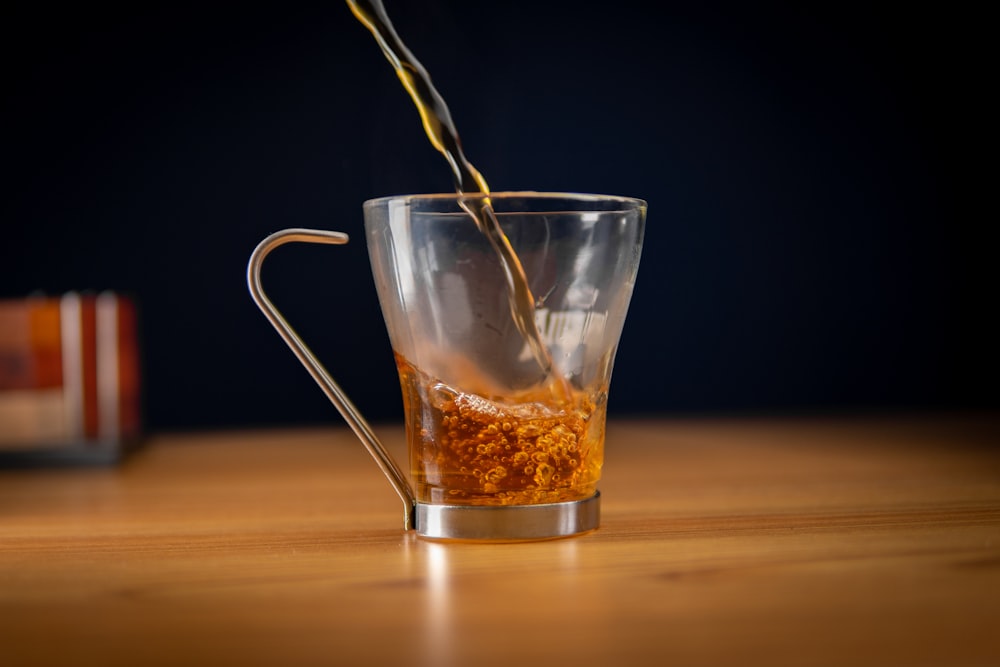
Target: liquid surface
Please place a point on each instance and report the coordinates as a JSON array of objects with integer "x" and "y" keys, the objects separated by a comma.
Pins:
[{"x": 515, "y": 450}]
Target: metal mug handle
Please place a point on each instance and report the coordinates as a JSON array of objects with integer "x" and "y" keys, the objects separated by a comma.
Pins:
[{"x": 322, "y": 377}]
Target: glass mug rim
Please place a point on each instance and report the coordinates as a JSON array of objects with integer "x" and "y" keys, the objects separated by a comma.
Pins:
[{"x": 579, "y": 199}]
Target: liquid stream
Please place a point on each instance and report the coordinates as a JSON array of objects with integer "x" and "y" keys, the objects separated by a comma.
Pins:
[{"x": 444, "y": 137}]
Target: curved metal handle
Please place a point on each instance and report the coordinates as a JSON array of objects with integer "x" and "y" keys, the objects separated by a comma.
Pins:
[{"x": 322, "y": 377}]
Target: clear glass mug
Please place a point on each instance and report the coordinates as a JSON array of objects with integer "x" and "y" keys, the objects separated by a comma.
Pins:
[{"x": 500, "y": 447}]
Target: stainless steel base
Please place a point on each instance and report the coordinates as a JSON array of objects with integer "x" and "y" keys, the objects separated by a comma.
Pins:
[{"x": 508, "y": 522}]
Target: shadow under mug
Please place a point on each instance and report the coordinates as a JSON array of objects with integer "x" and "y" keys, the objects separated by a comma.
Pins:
[{"x": 505, "y": 438}]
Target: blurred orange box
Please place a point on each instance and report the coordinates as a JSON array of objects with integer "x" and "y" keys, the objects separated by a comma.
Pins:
[{"x": 70, "y": 385}]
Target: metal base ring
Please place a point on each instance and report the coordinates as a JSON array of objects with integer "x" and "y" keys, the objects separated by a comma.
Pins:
[{"x": 508, "y": 522}]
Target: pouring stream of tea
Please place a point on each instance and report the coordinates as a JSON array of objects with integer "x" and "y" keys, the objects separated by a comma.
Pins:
[{"x": 443, "y": 136}]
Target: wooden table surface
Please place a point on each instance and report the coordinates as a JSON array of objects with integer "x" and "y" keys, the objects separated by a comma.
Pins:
[{"x": 758, "y": 541}]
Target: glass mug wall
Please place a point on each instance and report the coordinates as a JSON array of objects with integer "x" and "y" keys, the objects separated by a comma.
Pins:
[{"x": 505, "y": 440}]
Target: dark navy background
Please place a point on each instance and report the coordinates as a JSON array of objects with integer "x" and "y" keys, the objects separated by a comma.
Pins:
[{"x": 816, "y": 239}]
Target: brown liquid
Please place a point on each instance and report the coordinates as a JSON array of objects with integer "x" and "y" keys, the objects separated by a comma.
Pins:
[
  {"x": 537, "y": 446},
  {"x": 443, "y": 136},
  {"x": 518, "y": 450}
]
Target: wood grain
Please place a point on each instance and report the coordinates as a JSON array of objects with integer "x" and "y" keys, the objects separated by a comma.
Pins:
[{"x": 771, "y": 542}]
